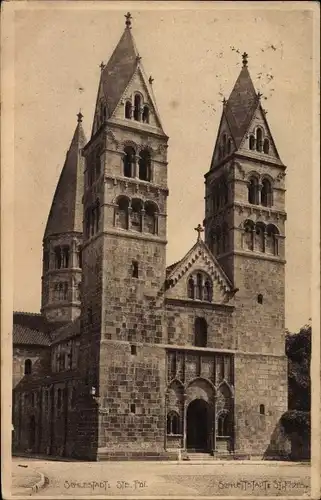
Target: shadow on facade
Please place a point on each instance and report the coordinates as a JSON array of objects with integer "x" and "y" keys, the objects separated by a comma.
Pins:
[{"x": 289, "y": 443}]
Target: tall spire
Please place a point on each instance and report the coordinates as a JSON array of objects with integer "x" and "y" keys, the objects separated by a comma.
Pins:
[
  {"x": 66, "y": 209},
  {"x": 242, "y": 103}
]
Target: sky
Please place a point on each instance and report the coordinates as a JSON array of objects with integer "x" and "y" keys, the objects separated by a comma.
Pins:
[{"x": 193, "y": 51}]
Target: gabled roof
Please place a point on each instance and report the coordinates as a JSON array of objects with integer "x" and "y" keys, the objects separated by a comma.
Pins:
[
  {"x": 66, "y": 210},
  {"x": 200, "y": 251}
]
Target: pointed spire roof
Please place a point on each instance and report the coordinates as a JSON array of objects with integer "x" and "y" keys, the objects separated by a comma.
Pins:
[
  {"x": 66, "y": 210},
  {"x": 241, "y": 105},
  {"x": 116, "y": 75}
]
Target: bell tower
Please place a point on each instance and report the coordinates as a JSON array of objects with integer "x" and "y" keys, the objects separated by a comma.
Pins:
[
  {"x": 61, "y": 276},
  {"x": 125, "y": 208},
  {"x": 245, "y": 208},
  {"x": 245, "y": 229}
]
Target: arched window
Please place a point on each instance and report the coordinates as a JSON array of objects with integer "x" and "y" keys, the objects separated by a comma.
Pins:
[
  {"x": 150, "y": 218},
  {"x": 259, "y": 243},
  {"x": 200, "y": 332},
  {"x": 248, "y": 235},
  {"x": 253, "y": 191},
  {"x": 191, "y": 288},
  {"x": 58, "y": 258},
  {"x": 60, "y": 291},
  {"x": 271, "y": 246},
  {"x": 144, "y": 165},
  {"x": 252, "y": 142},
  {"x": 146, "y": 114},
  {"x": 136, "y": 215},
  {"x": 137, "y": 106},
  {"x": 259, "y": 139},
  {"x": 65, "y": 257},
  {"x": 28, "y": 367},
  {"x": 266, "y": 193},
  {"x": 79, "y": 257},
  {"x": 229, "y": 145},
  {"x": 223, "y": 425},
  {"x": 129, "y": 162},
  {"x": 208, "y": 291},
  {"x": 128, "y": 110},
  {"x": 172, "y": 423},
  {"x": 262, "y": 410},
  {"x": 199, "y": 286},
  {"x": 121, "y": 216},
  {"x": 266, "y": 146},
  {"x": 134, "y": 269},
  {"x": 65, "y": 291}
]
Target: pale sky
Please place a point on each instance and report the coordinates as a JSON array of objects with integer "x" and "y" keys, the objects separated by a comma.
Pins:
[{"x": 188, "y": 51}]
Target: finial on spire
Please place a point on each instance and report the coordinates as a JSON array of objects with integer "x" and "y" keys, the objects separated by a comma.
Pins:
[
  {"x": 151, "y": 79},
  {"x": 138, "y": 58},
  {"x": 80, "y": 116},
  {"x": 244, "y": 59},
  {"x": 199, "y": 230},
  {"x": 102, "y": 65},
  {"x": 128, "y": 20}
]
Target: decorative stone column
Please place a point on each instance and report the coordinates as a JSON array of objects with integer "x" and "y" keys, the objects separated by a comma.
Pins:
[
  {"x": 129, "y": 215},
  {"x": 214, "y": 450},
  {"x": 184, "y": 421},
  {"x": 136, "y": 167},
  {"x": 142, "y": 218}
]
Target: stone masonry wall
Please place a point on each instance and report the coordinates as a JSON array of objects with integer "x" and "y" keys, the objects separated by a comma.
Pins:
[
  {"x": 259, "y": 327},
  {"x": 132, "y": 388},
  {"x": 132, "y": 309},
  {"x": 181, "y": 324},
  {"x": 259, "y": 380}
]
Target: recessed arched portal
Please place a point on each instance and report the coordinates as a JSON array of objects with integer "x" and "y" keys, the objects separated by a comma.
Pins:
[{"x": 198, "y": 425}]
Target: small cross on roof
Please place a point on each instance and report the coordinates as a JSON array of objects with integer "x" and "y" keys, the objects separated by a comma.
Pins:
[
  {"x": 245, "y": 58},
  {"x": 128, "y": 20},
  {"x": 199, "y": 230}
]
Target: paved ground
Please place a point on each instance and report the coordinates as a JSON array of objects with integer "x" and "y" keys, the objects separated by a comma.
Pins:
[
  {"x": 23, "y": 477},
  {"x": 166, "y": 478}
]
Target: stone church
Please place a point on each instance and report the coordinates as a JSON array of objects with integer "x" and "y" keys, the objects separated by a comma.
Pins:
[{"x": 128, "y": 358}]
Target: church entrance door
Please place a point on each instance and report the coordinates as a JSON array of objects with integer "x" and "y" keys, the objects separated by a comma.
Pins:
[{"x": 198, "y": 425}]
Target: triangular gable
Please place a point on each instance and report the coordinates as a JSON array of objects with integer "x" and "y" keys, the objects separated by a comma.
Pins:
[
  {"x": 139, "y": 83},
  {"x": 259, "y": 120},
  {"x": 199, "y": 258}
]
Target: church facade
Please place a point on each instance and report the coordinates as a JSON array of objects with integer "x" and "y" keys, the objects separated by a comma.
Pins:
[{"x": 132, "y": 359}]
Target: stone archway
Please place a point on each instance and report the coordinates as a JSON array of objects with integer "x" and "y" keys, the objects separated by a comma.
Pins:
[{"x": 198, "y": 426}]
